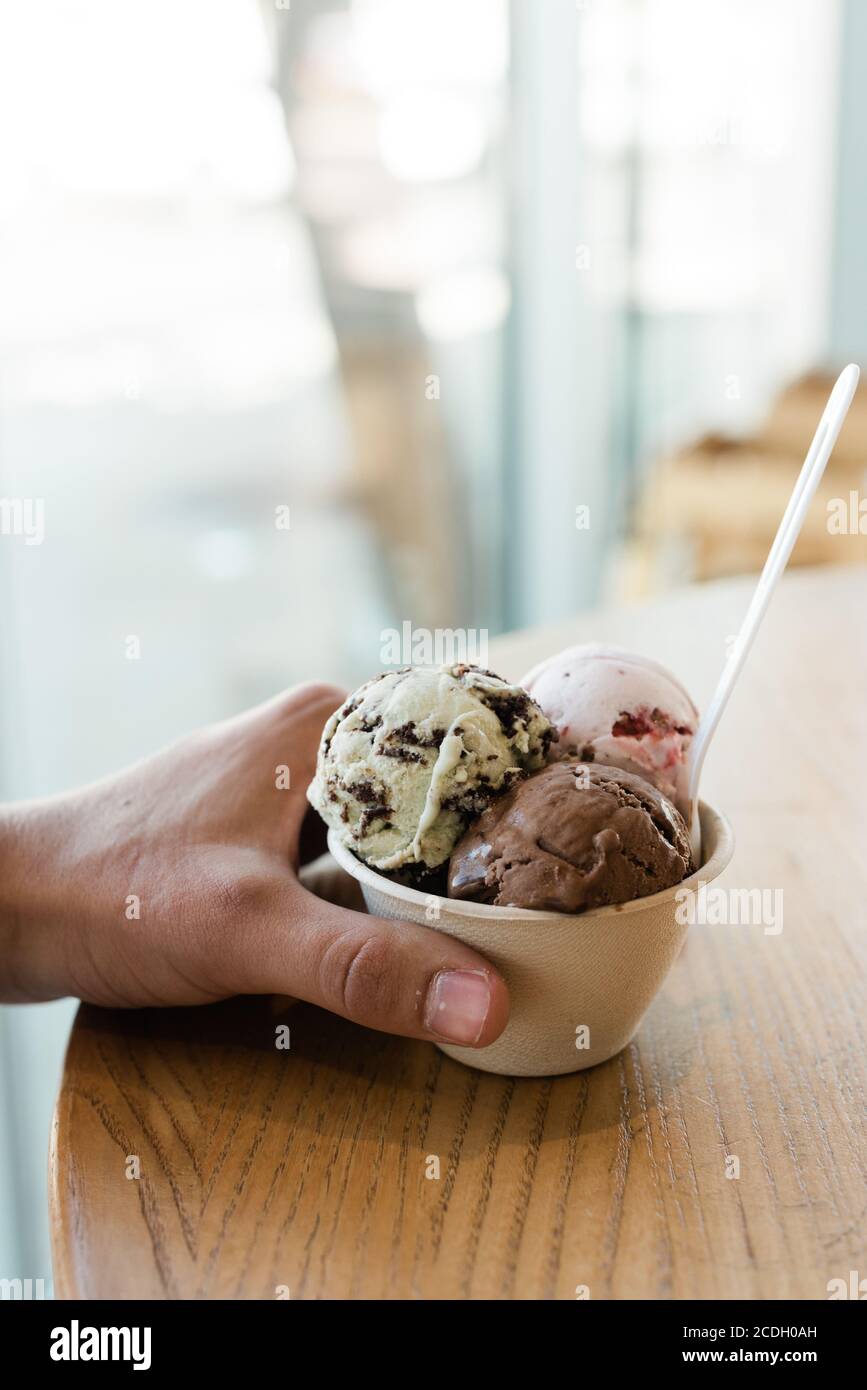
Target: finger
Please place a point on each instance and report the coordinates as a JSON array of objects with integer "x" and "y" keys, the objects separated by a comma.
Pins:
[
  {"x": 325, "y": 879},
  {"x": 298, "y": 718},
  {"x": 267, "y": 757},
  {"x": 302, "y": 708},
  {"x": 394, "y": 976}
]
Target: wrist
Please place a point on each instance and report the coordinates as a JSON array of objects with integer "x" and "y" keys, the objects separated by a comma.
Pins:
[{"x": 30, "y": 964}]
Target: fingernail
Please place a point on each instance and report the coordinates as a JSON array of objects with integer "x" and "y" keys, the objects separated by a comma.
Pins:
[{"x": 457, "y": 1005}]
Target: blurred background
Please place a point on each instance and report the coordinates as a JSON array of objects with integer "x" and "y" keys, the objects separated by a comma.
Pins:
[{"x": 323, "y": 315}]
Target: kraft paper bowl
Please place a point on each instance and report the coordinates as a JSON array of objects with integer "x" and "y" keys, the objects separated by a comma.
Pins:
[{"x": 579, "y": 985}]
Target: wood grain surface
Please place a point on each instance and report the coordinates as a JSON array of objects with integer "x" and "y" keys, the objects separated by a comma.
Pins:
[{"x": 266, "y": 1171}]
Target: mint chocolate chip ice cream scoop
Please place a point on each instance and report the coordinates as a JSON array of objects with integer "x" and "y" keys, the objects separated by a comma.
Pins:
[
  {"x": 572, "y": 837},
  {"x": 415, "y": 754}
]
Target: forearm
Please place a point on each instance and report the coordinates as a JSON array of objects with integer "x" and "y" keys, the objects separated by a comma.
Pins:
[{"x": 32, "y": 954}]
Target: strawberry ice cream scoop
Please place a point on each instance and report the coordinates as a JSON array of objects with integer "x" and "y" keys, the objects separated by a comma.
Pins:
[{"x": 614, "y": 707}]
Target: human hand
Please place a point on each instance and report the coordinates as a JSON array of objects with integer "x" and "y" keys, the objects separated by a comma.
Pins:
[{"x": 176, "y": 882}]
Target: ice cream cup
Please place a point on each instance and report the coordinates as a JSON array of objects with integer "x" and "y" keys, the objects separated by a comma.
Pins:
[{"x": 579, "y": 985}]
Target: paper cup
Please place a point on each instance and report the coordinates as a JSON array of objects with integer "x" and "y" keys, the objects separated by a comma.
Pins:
[{"x": 579, "y": 985}]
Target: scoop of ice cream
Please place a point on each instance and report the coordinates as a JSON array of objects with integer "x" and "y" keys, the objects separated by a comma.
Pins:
[
  {"x": 416, "y": 753},
  {"x": 611, "y": 706},
  {"x": 572, "y": 837}
]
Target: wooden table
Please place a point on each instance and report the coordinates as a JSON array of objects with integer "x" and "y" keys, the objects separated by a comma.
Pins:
[{"x": 307, "y": 1170}]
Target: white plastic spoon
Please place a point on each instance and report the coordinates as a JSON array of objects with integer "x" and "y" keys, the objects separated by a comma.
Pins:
[{"x": 793, "y": 519}]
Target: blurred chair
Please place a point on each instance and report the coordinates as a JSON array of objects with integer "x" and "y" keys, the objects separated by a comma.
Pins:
[{"x": 713, "y": 508}]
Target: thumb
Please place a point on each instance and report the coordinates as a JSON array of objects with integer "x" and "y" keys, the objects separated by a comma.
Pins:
[{"x": 393, "y": 976}]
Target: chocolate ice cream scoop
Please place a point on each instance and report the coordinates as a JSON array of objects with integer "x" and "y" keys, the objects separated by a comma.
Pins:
[{"x": 572, "y": 837}]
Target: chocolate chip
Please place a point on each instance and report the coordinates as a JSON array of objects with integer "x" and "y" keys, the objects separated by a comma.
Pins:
[
  {"x": 349, "y": 707},
  {"x": 463, "y": 667},
  {"x": 366, "y": 792},
  {"x": 410, "y": 733},
  {"x": 370, "y": 815},
  {"x": 468, "y": 803},
  {"x": 400, "y": 754},
  {"x": 512, "y": 708}
]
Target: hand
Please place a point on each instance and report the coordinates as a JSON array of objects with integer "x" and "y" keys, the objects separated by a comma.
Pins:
[{"x": 176, "y": 882}]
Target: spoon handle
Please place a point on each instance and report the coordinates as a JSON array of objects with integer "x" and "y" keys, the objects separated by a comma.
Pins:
[{"x": 793, "y": 519}]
